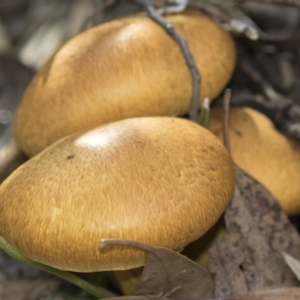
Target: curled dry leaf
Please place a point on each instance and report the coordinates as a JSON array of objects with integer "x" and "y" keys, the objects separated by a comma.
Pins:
[
  {"x": 168, "y": 274},
  {"x": 248, "y": 258}
]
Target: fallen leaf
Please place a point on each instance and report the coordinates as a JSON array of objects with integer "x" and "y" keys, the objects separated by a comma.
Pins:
[
  {"x": 266, "y": 213},
  {"x": 168, "y": 274},
  {"x": 231, "y": 266},
  {"x": 136, "y": 298},
  {"x": 291, "y": 293},
  {"x": 293, "y": 263},
  {"x": 248, "y": 257}
]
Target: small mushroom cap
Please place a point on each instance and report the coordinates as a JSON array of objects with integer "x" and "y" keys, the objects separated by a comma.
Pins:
[
  {"x": 263, "y": 152},
  {"x": 122, "y": 69},
  {"x": 159, "y": 180}
]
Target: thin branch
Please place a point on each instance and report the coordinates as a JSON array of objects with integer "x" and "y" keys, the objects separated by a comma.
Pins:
[
  {"x": 226, "y": 105},
  {"x": 212, "y": 10},
  {"x": 276, "y": 98},
  {"x": 239, "y": 24},
  {"x": 282, "y": 2},
  {"x": 196, "y": 78}
]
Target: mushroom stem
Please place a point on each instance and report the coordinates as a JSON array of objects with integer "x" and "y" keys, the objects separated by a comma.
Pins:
[
  {"x": 84, "y": 285},
  {"x": 204, "y": 113}
]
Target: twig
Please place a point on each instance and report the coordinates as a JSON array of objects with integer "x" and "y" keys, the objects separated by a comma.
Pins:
[
  {"x": 196, "y": 78},
  {"x": 255, "y": 101},
  {"x": 282, "y": 2},
  {"x": 279, "y": 100},
  {"x": 242, "y": 25},
  {"x": 173, "y": 6},
  {"x": 212, "y": 10},
  {"x": 226, "y": 105}
]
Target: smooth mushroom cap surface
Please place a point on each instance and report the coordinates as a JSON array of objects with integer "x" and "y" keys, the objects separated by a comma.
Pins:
[
  {"x": 263, "y": 152},
  {"x": 121, "y": 69},
  {"x": 158, "y": 180}
]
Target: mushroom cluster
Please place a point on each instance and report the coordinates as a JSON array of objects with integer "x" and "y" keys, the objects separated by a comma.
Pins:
[
  {"x": 121, "y": 69},
  {"x": 158, "y": 180},
  {"x": 107, "y": 161}
]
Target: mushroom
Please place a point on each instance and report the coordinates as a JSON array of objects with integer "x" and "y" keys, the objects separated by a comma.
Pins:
[
  {"x": 264, "y": 153},
  {"x": 158, "y": 180},
  {"x": 124, "y": 68}
]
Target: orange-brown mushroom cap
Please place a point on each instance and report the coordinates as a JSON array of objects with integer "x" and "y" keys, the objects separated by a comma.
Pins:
[
  {"x": 158, "y": 180},
  {"x": 263, "y": 152},
  {"x": 121, "y": 69}
]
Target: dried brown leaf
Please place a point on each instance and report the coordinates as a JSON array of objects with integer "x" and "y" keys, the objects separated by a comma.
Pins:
[
  {"x": 291, "y": 293},
  {"x": 231, "y": 266},
  {"x": 136, "y": 298},
  {"x": 168, "y": 274},
  {"x": 248, "y": 258},
  {"x": 266, "y": 213},
  {"x": 293, "y": 263}
]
